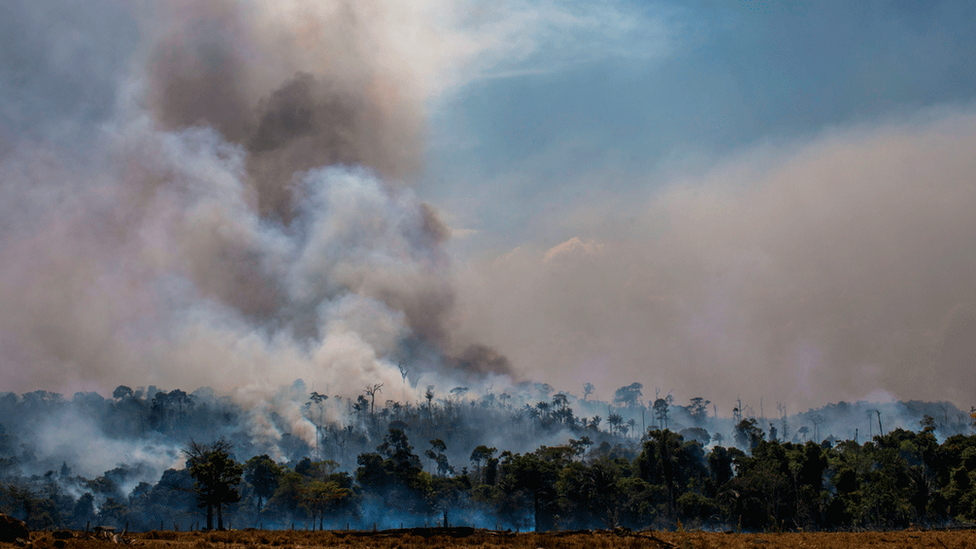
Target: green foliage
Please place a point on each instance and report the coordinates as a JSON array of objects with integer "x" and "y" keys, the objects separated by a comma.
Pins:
[
  {"x": 664, "y": 479},
  {"x": 262, "y": 473},
  {"x": 320, "y": 497},
  {"x": 216, "y": 476}
]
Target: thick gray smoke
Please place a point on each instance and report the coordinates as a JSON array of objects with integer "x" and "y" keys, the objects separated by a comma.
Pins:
[
  {"x": 226, "y": 204},
  {"x": 218, "y": 65}
]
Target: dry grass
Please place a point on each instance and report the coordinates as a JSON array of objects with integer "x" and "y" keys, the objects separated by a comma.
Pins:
[{"x": 488, "y": 540}]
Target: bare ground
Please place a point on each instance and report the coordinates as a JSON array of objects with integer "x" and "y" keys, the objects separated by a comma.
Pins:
[{"x": 489, "y": 540}]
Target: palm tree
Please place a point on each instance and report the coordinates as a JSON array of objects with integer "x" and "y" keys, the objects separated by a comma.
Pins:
[{"x": 543, "y": 407}]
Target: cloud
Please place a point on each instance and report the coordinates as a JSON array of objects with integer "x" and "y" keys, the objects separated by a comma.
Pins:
[
  {"x": 805, "y": 273},
  {"x": 520, "y": 37},
  {"x": 574, "y": 248}
]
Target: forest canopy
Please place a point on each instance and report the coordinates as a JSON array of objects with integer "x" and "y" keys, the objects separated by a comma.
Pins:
[{"x": 495, "y": 460}]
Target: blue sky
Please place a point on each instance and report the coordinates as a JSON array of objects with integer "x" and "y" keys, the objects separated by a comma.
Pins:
[
  {"x": 688, "y": 84},
  {"x": 650, "y": 213}
]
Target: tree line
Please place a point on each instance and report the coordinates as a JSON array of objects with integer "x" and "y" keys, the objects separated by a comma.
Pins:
[
  {"x": 479, "y": 461},
  {"x": 662, "y": 481}
]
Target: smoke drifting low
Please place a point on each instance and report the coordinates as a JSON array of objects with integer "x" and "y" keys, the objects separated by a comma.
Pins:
[
  {"x": 837, "y": 269},
  {"x": 237, "y": 218}
]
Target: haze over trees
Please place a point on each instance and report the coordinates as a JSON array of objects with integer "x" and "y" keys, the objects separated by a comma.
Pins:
[{"x": 533, "y": 458}]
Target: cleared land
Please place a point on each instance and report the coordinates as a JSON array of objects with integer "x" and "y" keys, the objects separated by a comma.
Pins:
[{"x": 487, "y": 540}]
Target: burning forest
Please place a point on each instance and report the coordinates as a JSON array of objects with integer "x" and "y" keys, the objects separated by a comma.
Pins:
[
  {"x": 228, "y": 298},
  {"x": 526, "y": 460}
]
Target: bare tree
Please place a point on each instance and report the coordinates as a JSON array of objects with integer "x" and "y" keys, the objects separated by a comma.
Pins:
[
  {"x": 403, "y": 374},
  {"x": 459, "y": 392},
  {"x": 781, "y": 407},
  {"x": 371, "y": 390},
  {"x": 816, "y": 420}
]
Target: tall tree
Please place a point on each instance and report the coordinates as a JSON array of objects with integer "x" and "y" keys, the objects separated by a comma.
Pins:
[
  {"x": 318, "y": 497},
  {"x": 628, "y": 396},
  {"x": 662, "y": 411},
  {"x": 371, "y": 390},
  {"x": 478, "y": 455},
  {"x": 698, "y": 410},
  {"x": 216, "y": 476},
  {"x": 262, "y": 473}
]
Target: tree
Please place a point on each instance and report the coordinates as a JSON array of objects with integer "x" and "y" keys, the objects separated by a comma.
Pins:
[
  {"x": 403, "y": 375},
  {"x": 544, "y": 390},
  {"x": 216, "y": 476},
  {"x": 629, "y": 395},
  {"x": 661, "y": 412},
  {"x": 481, "y": 454},
  {"x": 319, "y": 497},
  {"x": 580, "y": 446},
  {"x": 587, "y": 390},
  {"x": 436, "y": 453},
  {"x": 667, "y": 461},
  {"x": 534, "y": 477},
  {"x": 543, "y": 408},
  {"x": 84, "y": 510},
  {"x": 262, "y": 473},
  {"x": 319, "y": 400},
  {"x": 632, "y": 424},
  {"x": 698, "y": 410},
  {"x": 399, "y": 460},
  {"x": 748, "y": 434},
  {"x": 121, "y": 392},
  {"x": 371, "y": 390},
  {"x": 696, "y": 433},
  {"x": 459, "y": 392}
]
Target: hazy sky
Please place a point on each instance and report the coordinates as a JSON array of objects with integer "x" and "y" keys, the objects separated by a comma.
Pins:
[
  {"x": 720, "y": 199},
  {"x": 723, "y": 198}
]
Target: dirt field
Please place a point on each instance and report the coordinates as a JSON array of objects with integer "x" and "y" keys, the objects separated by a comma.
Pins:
[{"x": 489, "y": 540}]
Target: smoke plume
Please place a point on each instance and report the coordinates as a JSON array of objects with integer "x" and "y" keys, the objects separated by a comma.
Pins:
[{"x": 227, "y": 205}]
